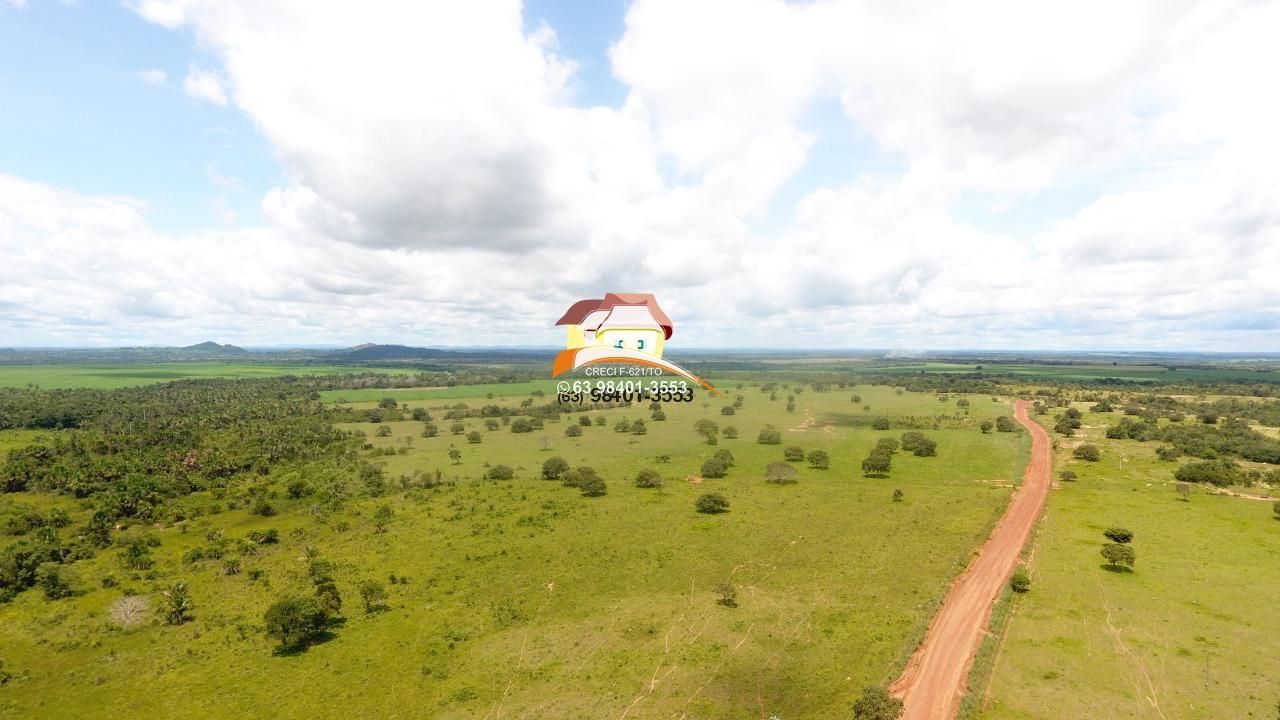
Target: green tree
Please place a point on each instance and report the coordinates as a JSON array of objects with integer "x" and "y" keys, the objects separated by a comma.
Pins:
[
  {"x": 1067, "y": 476},
  {"x": 819, "y": 459},
  {"x": 793, "y": 453},
  {"x": 986, "y": 426},
  {"x": 1117, "y": 554},
  {"x": 1184, "y": 494},
  {"x": 711, "y": 503},
  {"x": 474, "y": 437},
  {"x": 455, "y": 455},
  {"x": 177, "y": 603},
  {"x": 573, "y": 431},
  {"x": 877, "y": 463},
  {"x": 1276, "y": 508},
  {"x": 714, "y": 468},
  {"x": 648, "y": 478},
  {"x": 724, "y": 456},
  {"x": 730, "y": 432},
  {"x": 1119, "y": 535},
  {"x": 295, "y": 622},
  {"x": 500, "y": 472},
  {"x": 898, "y": 494},
  {"x": 708, "y": 430},
  {"x": 584, "y": 421},
  {"x": 887, "y": 445},
  {"x": 779, "y": 473},
  {"x": 769, "y": 435},
  {"x": 373, "y": 595},
  {"x": 880, "y": 423},
  {"x": 553, "y": 468},
  {"x": 593, "y": 486},
  {"x": 1091, "y": 453},
  {"x": 1020, "y": 582},
  {"x": 1006, "y": 424},
  {"x": 876, "y": 703},
  {"x": 728, "y": 594},
  {"x": 55, "y": 580}
]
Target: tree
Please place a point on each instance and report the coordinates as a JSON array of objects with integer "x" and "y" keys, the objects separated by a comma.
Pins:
[
  {"x": 458, "y": 428},
  {"x": 880, "y": 423},
  {"x": 819, "y": 459},
  {"x": 1020, "y": 582},
  {"x": 877, "y": 463},
  {"x": 1215, "y": 472},
  {"x": 711, "y": 504},
  {"x": 888, "y": 445},
  {"x": 714, "y": 468},
  {"x": 474, "y": 437},
  {"x": 730, "y": 432},
  {"x": 779, "y": 473},
  {"x": 373, "y": 595},
  {"x": 1276, "y": 508},
  {"x": 429, "y": 430},
  {"x": 856, "y": 399},
  {"x": 925, "y": 448},
  {"x": 584, "y": 420},
  {"x": 384, "y": 431},
  {"x": 136, "y": 553},
  {"x": 877, "y": 704},
  {"x": 500, "y": 472},
  {"x": 769, "y": 436},
  {"x": 708, "y": 430},
  {"x": 1117, "y": 554},
  {"x": 553, "y": 468},
  {"x": 1006, "y": 424},
  {"x": 593, "y": 486},
  {"x": 1167, "y": 453},
  {"x": 521, "y": 425},
  {"x": 648, "y": 478},
  {"x": 129, "y": 611},
  {"x": 1087, "y": 452},
  {"x": 491, "y": 424},
  {"x": 898, "y": 494},
  {"x": 1119, "y": 535},
  {"x": 793, "y": 453},
  {"x": 791, "y": 406},
  {"x": 725, "y": 456},
  {"x": 295, "y": 621},
  {"x": 177, "y": 603},
  {"x": 1184, "y": 493},
  {"x": 573, "y": 431},
  {"x": 728, "y": 594},
  {"x": 727, "y": 410},
  {"x": 1067, "y": 476},
  {"x": 455, "y": 455},
  {"x": 55, "y": 580},
  {"x": 986, "y": 426}
]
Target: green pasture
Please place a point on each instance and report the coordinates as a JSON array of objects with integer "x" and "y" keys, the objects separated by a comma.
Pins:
[
  {"x": 133, "y": 374},
  {"x": 1132, "y": 373},
  {"x": 525, "y": 599}
]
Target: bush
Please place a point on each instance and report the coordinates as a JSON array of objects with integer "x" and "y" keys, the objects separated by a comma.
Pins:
[
  {"x": 648, "y": 478},
  {"x": 263, "y": 508},
  {"x": 711, "y": 503},
  {"x": 593, "y": 486},
  {"x": 880, "y": 423},
  {"x": 1214, "y": 472},
  {"x": 925, "y": 448},
  {"x": 553, "y": 468},
  {"x": 295, "y": 621},
  {"x": 584, "y": 421},
  {"x": 725, "y": 456},
  {"x": 727, "y": 410},
  {"x": 474, "y": 437},
  {"x": 500, "y": 472},
  {"x": 1067, "y": 476},
  {"x": 888, "y": 445},
  {"x": 1006, "y": 424},
  {"x": 1168, "y": 454},
  {"x": 1276, "y": 508},
  {"x": 877, "y": 704},
  {"x": 55, "y": 580},
  {"x": 373, "y": 595},
  {"x": 985, "y": 426},
  {"x": 793, "y": 453},
  {"x": 1118, "y": 535},
  {"x": 898, "y": 494},
  {"x": 819, "y": 459},
  {"x": 714, "y": 468},
  {"x": 1090, "y": 453},
  {"x": 779, "y": 472},
  {"x": 573, "y": 431},
  {"x": 730, "y": 432},
  {"x": 769, "y": 436},
  {"x": 1020, "y": 582},
  {"x": 521, "y": 425}
]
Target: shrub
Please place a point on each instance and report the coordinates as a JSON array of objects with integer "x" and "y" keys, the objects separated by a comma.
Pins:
[
  {"x": 888, "y": 445},
  {"x": 584, "y": 421},
  {"x": 769, "y": 436},
  {"x": 1214, "y": 472},
  {"x": 1091, "y": 453},
  {"x": 593, "y": 486},
  {"x": 573, "y": 431},
  {"x": 648, "y": 478},
  {"x": 1067, "y": 476},
  {"x": 1020, "y": 582},
  {"x": 985, "y": 426},
  {"x": 1006, "y": 424},
  {"x": 521, "y": 425},
  {"x": 553, "y": 468},
  {"x": 779, "y": 472},
  {"x": 729, "y": 432},
  {"x": 1168, "y": 454},
  {"x": 384, "y": 431},
  {"x": 263, "y": 508},
  {"x": 880, "y": 423},
  {"x": 819, "y": 459},
  {"x": 714, "y": 468},
  {"x": 55, "y": 580},
  {"x": 876, "y": 703},
  {"x": 298, "y": 489},
  {"x": 711, "y": 503},
  {"x": 474, "y": 437},
  {"x": 295, "y": 621},
  {"x": 898, "y": 494},
  {"x": 500, "y": 472},
  {"x": 727, "y": 410},
  {"x": 793, "y": 453}
]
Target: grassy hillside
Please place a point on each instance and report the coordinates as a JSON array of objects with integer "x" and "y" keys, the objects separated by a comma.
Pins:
[
  {"x": 522, "y": 598},
  {"x": 134, "y": 374}
]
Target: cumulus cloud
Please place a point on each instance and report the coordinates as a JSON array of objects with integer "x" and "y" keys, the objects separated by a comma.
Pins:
[
  {"x": 444, "y": 185},
  {"x": 204, "y": 85}
]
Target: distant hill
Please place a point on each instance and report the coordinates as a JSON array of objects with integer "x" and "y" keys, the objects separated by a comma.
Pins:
[
  {"x": 369, "y": 351},
  {"x": 212, "y": 347}
]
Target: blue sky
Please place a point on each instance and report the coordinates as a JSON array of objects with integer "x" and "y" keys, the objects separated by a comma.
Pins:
[{"x": 780, "y": 174}]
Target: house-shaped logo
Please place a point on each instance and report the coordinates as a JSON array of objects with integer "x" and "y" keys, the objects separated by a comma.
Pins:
[{"x": 618, "y": 328}]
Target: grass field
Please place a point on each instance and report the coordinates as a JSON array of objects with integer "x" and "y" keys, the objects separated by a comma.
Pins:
[
  {"x": 524, "y": 599},
  {"x": 1133, "y": 373},
  {"x": 1191, "y": 633},
  {"x": 132, "y": 374}
]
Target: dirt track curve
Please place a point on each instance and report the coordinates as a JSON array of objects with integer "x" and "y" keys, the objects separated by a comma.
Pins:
[{"x": 932, "y": 682}]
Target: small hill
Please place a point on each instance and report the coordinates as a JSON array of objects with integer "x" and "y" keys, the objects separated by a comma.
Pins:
[
  {"x": 369, "y": 351},
  {"x": 212, "y": 347}
]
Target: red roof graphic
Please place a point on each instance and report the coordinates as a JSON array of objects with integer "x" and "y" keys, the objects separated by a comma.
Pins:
[{"x": 581, "y": 309}]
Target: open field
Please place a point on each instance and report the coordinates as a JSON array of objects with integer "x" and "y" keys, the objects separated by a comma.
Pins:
[
  {"x": 1132, "y": 373},
  {"x": 1191, "y": 633},
  {"x": 525, "y": 599},
  {"x": 132, "y": 374}
]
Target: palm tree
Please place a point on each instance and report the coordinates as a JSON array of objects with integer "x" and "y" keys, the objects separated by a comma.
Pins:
[{"x": 177, "y": 603}]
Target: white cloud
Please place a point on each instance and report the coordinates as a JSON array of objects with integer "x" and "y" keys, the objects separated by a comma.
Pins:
[
  {"x": 444, "y": 187},
  {"x": 204, "y": 85},
  {"x": 154, "y": 77}
]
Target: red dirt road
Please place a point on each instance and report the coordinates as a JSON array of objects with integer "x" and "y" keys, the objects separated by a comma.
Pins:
[{"x": 933, "y": 681}]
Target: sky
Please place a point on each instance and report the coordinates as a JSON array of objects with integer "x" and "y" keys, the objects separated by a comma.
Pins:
[{"x": 835, "y": 173}]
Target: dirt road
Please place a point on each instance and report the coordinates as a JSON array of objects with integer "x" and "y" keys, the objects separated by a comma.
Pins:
[{"x": 933, "y": 681}]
